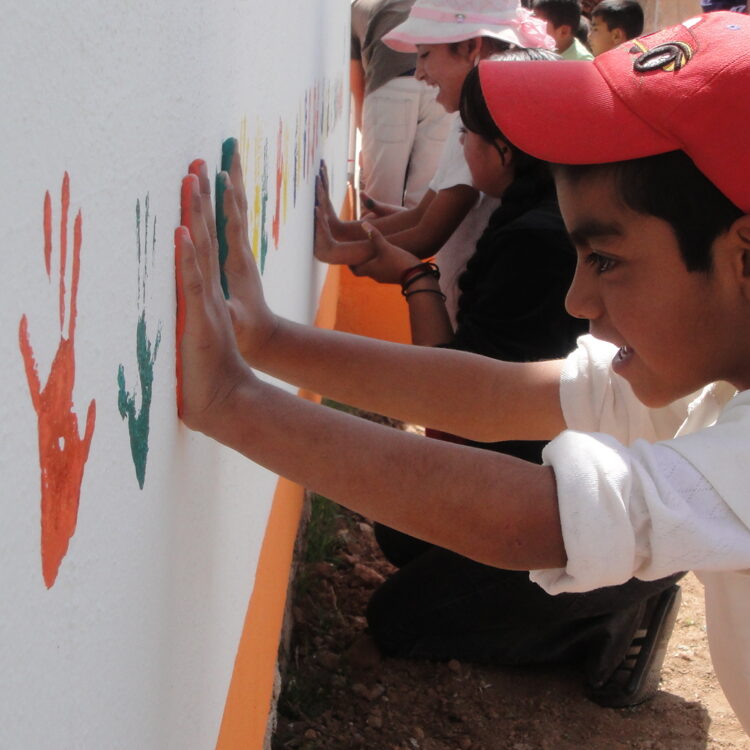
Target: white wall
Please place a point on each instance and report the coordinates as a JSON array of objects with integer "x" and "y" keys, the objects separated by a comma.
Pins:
[{"x": 132, "y": 644}]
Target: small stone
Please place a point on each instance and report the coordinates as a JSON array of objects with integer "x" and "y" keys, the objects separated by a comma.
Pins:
[
  {"x": 455, "y": 666},
  {"x": 419, "y": 733},
  {"x": 465, "y": 743},
  {"x": 329, "y": 660},
  {"x": 361, "y": 690},
  {"x": 363, "y": 653},
  {"x": 323, "y": 569},
  {"x": 376, "y": 692},
  {"x": 366, "y": 527},
  {"x": 375, "y": 721},
  {"x": 311, "y": 734},
  {"x": 367, "y": 574}
]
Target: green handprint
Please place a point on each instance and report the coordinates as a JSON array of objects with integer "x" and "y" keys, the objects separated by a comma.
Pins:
[{"x": 138, "y": 419}]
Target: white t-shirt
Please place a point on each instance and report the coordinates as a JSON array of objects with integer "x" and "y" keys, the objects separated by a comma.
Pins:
[
  {"x": 461, "y": 245},
  {"x": 648, "y": 492}
]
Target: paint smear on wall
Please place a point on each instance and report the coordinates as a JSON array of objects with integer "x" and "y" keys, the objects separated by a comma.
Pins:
[
  {"x": 296, "y": 158},
  {"x": 62, "y": 452},
  {"x": 280, "y": 170},
  {"x": 139, "y": 418},
  {"x": 259, "y": 216}
]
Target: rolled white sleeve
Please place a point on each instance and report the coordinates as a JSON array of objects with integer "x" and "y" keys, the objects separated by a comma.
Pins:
[{"x": 640, "y": 511}]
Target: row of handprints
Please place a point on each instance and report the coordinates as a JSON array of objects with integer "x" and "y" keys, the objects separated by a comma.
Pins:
[{"x": 63, "y": 452}]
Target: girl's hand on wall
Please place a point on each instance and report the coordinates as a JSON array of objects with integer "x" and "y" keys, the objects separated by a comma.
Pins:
[
  {"x": 372, "y": 209},
  {"x": 337, "y": 227},
  {"x": 327, "y": 249},
  {"x": 389, "y": 261}
]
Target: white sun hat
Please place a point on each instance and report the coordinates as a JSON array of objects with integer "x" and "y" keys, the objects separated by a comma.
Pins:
[{"x": 446, "y": 21}]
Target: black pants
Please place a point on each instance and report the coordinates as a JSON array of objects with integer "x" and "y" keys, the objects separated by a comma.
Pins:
[{"x": 440, "y": 605}]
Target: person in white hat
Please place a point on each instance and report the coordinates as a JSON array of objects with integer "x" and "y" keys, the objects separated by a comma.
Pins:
[{"x": 450, "y": 37}]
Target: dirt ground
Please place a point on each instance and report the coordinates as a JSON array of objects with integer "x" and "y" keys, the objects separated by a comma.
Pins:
[{"x": 339, "y": 694}]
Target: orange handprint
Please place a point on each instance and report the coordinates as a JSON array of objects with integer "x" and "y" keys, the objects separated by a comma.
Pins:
[{"x": 62, "y": 453}]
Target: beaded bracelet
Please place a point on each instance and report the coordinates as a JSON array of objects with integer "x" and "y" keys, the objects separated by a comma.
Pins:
[
  {"x": 410, "y": 275},
  {"x": 431, "y": 291}
]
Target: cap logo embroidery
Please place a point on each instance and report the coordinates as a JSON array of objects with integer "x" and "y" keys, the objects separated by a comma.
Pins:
[{"x": 669, "y": 57}]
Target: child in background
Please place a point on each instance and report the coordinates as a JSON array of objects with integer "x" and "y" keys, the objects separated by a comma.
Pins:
[
  {"x": 563, "y": 18},
  {"x": 614, "y": 22},
  {"x": 648, "y": 470}
]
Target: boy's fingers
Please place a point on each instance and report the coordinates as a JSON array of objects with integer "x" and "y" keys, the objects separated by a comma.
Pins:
[
  {"x": 232, "y": 163},
  {"x": 199, "y": 169},
  {"x": 324, "y": 174},
  {"x": 193, "y": 219},
  {"x": 190, "y": 282},
  {"x": 236, "y": 234}
]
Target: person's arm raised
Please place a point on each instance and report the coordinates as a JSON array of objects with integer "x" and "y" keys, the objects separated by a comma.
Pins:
[
  {"x": 436, "y": 224},
  {"x": 493, "y": 508},
  {"x": 457, "y": 392}
]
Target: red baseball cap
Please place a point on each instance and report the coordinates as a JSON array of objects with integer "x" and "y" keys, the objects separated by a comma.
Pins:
[{"x": 686, "y": 87}]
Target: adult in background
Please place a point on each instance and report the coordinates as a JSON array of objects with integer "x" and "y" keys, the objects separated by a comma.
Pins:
[{"x": 403, "y": 127}]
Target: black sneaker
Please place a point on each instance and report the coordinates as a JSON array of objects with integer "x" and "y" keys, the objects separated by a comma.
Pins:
[{"x": 637, "y": 677}]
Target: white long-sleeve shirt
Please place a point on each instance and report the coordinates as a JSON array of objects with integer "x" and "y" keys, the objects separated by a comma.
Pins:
[{"x": 648, "y": 492}]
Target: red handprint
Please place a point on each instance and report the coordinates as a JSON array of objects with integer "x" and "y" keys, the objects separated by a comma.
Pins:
[{"x": 62, "y": 453}]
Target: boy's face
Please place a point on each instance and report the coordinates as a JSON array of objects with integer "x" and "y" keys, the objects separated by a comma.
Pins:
[
  {"x": 563, "y": 34},
  {"x": 602, "y": 38},
  {"x": 677, "y": 330}
]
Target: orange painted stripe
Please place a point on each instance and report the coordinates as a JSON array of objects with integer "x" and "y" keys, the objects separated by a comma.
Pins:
[
  {"x": 243, "y": 725},
  {"x": 346, "y": 303}
]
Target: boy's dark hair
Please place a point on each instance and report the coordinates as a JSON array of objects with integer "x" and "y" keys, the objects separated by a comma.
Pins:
[
  {"x": 560, "y": 12},
  {"x": 582, "y": 33},
  {"x": 621, "y": 14},
  {"x": 670, "y": 187},
  {"x": 476, "y": 117}
]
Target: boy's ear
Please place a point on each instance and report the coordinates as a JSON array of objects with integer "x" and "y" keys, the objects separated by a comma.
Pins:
[
  {"x": 618, "y": 35},
  {"x": 739, "y": 232}
]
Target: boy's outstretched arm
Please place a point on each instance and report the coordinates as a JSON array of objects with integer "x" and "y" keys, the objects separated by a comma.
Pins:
[
  {"x": 493, "y": 508},
  {"x": 457, "y": 392}
]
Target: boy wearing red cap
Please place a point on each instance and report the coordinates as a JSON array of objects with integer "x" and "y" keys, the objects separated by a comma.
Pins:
[{"x": 648, "y": 473}]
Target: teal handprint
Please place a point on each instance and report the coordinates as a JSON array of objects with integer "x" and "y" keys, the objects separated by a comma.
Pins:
[{"x": 138, "y": 419}]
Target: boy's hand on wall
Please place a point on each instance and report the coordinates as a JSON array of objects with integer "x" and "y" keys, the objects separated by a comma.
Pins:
[
  {"x": 209, "y": 365},
  {"x": 254, "y": 323},
  {"x": 252, "y": 320}
]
